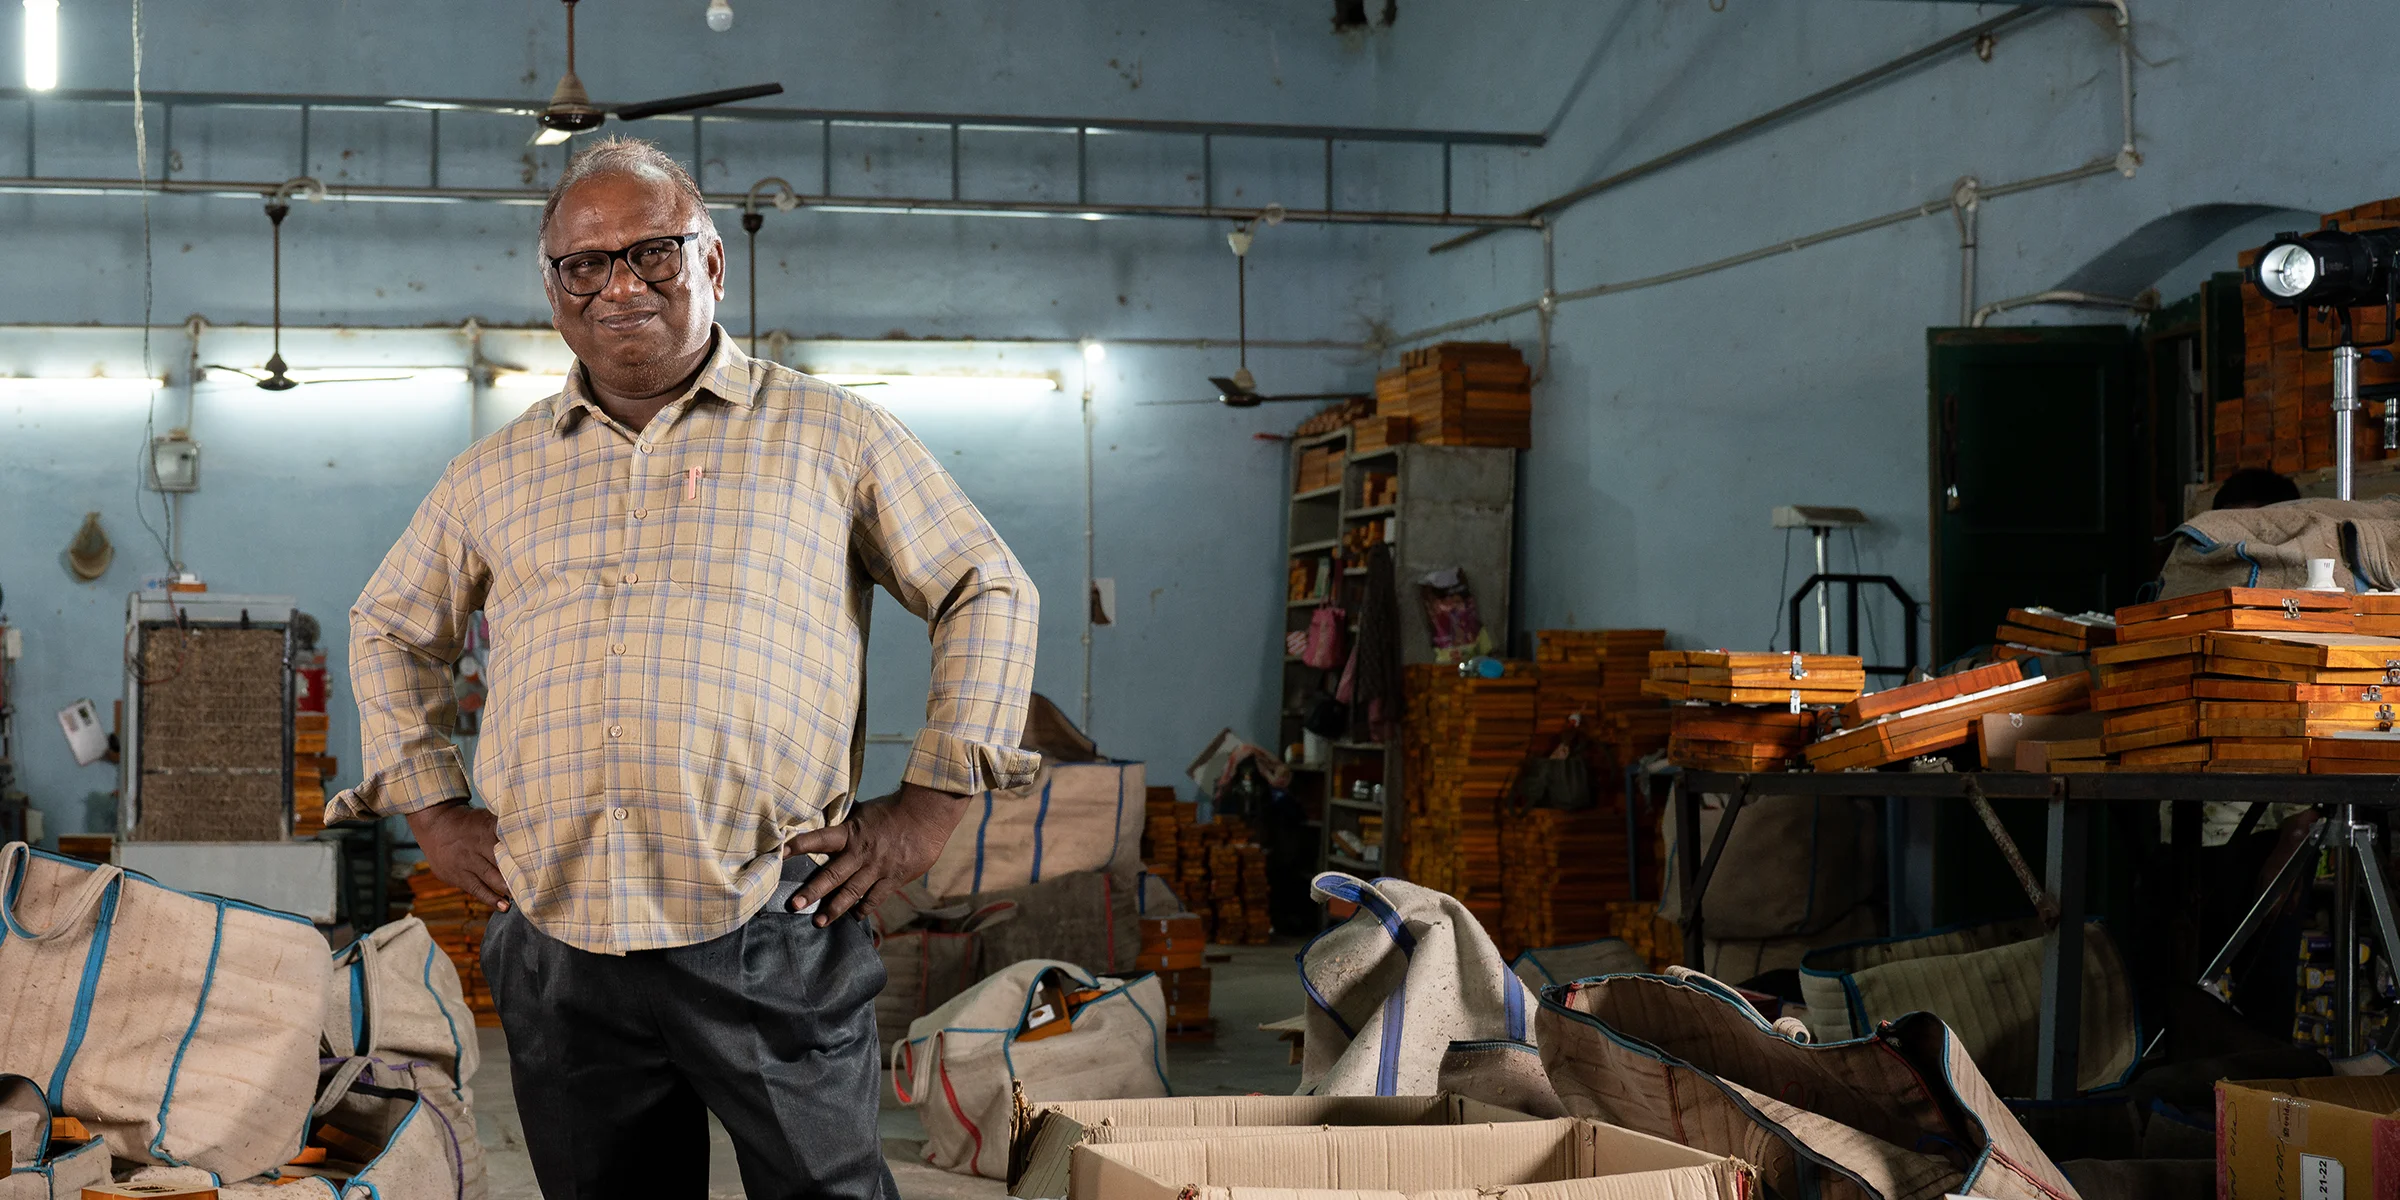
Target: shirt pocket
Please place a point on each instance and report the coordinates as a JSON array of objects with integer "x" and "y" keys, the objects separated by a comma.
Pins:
[{"x": 731, "y": 533}]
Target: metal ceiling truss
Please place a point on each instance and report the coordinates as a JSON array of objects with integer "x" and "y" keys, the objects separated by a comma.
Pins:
[{"x": 827, "y": 125}]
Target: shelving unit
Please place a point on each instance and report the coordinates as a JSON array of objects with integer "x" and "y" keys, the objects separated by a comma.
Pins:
[{"x": 1438, "y": 507}]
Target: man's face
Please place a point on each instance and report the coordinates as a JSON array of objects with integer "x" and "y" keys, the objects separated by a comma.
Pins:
[{"x": 635, "y": 338}]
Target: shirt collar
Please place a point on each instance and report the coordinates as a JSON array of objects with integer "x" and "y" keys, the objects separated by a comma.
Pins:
[{"x": 728, "y": 375}]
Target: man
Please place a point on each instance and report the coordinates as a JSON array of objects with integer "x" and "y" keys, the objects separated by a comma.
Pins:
[
  {"x": 2254, "y": 487},
  {"x": 676, "y": 556}
]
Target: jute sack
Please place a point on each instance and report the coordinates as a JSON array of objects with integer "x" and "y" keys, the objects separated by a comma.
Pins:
[
  {"x": 181, "y": 1028},
  {"x": 396, "y": 995},
  {"x": 1539, "y": 968},
  {"x": 1793, "y": 865},
  {"x": 1985, "y": 983},
  {"x": 1072, "y": 817},
  {"x": 1089, "y": 918},
  {"x": 929, "y": 955},
  {"x": 416, "y": 1117},
  {"x": 1409, "y": 998},
  {"x": 2270, "y": 547},
  {"x": 1900, "y": 1115},
  {"x": 43, "y": 1169},
  {"x": 958, "y": 1063}
]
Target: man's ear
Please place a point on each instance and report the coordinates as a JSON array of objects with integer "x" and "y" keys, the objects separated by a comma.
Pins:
[{"x": 715, "y": 263}]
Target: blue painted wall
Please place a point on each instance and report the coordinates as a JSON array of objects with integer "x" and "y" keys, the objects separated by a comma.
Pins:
[
  {"x": 1675, "y": 417},
  {"x": 302, "y": 493},
  {"x": 1672, "y": 419}
]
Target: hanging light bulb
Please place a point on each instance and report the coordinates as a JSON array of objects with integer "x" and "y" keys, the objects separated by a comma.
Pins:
[{"x": 720, "y": 15}]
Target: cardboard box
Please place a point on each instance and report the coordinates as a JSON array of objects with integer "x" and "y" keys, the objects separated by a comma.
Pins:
[
  {"x": 1042, "y": 1134},
  {"x": 2336, "y": 1138},
  {"x": 1566, "y": 1159}
]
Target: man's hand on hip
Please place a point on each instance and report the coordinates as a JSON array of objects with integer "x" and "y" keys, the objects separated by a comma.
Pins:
[
  {"x": 881, "y": 846},
  {"x": 458, "y": 840}
]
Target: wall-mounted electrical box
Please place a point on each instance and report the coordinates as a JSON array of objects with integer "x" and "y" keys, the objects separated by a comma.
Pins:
[{"x": 175, "y": 463}]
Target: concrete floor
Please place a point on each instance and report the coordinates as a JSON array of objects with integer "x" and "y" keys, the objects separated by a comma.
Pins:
[{"x": 1257, "y": 984}]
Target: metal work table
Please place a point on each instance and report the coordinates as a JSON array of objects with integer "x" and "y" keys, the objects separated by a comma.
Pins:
[{"x": 2067, "y": 839}]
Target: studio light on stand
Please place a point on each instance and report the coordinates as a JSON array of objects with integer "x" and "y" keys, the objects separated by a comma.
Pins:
[{"x": 2331, "y": 271}]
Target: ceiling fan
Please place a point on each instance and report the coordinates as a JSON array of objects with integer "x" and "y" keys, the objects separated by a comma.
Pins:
[
  {"x": 1241, "y": 389},
  {"x": 571, "y": 110}
]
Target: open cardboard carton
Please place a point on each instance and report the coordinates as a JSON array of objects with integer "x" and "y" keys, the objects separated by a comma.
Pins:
[
  {"x": 2334, "y": 1138},
  {"x": 1044, "y": 1134},
  {"x": 1568, "y": 1159}
]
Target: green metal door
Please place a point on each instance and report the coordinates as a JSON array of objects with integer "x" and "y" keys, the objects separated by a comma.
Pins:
[{"x": 2037, "y": 451}]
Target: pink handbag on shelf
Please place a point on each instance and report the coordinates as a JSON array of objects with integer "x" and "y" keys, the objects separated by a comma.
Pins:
[{"x": 1325, "y": 630}]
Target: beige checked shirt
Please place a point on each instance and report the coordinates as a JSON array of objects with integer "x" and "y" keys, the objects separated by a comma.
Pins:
[{"x": 678, "y": 629}]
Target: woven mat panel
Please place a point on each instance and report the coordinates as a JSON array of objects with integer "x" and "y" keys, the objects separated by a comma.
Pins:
[{"x": 213, "y": 757}]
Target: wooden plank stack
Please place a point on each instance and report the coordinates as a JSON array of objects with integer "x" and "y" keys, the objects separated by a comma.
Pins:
[
  {"x": 1174, "y": 947},
  {"x": 2266, "y": 610},
  {"x": 1594, "y": 672},
  {"x": 1563, "y": 871},
  {"x": 310, "y": 768},
  {"x": 1462, "y": 394},
  {"x": 1465, "y": 740},
  {"x": 1709, "y": 737},
  {"x": 1939, "y": 715},
  {"x": 1186, "y": 992},
  {"x": 2360, "y": 753},
  {"x": 2146, "y": 692},
  {"x": 1381, "y": 432},
  {"x": 2052, "y": 631},
  {"x": 1761, "y": 677},
  {"x": 1318, "y": 468},
  {"x": 456, "y": 921},
  {"x": 1218, "y": 870}
]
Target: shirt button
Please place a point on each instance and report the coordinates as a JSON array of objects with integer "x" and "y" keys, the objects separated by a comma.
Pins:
[
  {"x": 630, "y": 577},
  {"x": 639, "y": 513},
  {"x": 644, "y": 447},
  {"x": 619, "y": 648},
  {"x": 616, "y": 731},
  {"x": 618, "y": 814}
]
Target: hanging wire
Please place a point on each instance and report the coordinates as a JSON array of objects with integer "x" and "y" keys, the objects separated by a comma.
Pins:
[
  {"x": 1874, "y": 643},
  {"x": 751, "y": 221},
  {"x": 277, "y": 380},
  {"x": 1775, "y": 632},
  {"x": 142, "y": 453}
]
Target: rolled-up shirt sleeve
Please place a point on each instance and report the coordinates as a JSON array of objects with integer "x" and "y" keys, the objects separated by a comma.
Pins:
[
  {"x": 406, "y": 632},
  {"x": 921, "y": 538}
]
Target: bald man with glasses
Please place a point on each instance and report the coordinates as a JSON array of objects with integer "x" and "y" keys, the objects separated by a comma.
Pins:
[{"x": 677, "y": 556}]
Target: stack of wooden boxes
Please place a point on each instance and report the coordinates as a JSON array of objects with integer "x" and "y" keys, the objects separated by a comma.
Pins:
[
  {"x": 2048, "y": 631},
  {"x": 1465, "y": 740},
  {"x": 1756, "y": 711},
  {"x": 1174, "y": 947},
  {"x": 1216, "y": 869},
  {"x": 1922, "y": 718},
  {"x": 2185, "y": 690},
  {"x": 1461, "y": 394},
  {"x": 456, "y": 921},
  {"x": 1319, "y": 468},
  {"x": 310, "y": 767}
]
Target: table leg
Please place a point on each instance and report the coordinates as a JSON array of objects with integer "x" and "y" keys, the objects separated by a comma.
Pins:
[
  {"x": 1695, "y": 946},
  {"x": 2069, "y": 837}
]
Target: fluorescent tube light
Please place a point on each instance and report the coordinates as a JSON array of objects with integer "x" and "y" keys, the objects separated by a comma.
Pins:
[
  {"x": 81, "y": 386},
  {"x": 529, "y": 381},
  {"x": 552, "y": 137},
  {"x": 950, "y": 387},
  {"x": 41, "y": 44}
]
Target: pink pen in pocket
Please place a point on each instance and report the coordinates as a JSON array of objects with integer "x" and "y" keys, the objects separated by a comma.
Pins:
[{"x": 691, "y": 483}]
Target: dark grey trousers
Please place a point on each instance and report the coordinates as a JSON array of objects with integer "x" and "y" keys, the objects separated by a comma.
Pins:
[{"x": 771, "y": 1027}]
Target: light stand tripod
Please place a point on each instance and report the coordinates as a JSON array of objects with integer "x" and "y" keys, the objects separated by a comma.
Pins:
[{"x": 2340, "y": 832}]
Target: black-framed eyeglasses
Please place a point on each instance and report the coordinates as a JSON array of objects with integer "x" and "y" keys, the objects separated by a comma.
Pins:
[{"x": 652, "y": 260}]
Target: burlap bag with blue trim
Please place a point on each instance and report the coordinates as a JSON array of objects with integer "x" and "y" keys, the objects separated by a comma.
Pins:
[
  {"x": 958, "y": 1064},
  {"x": 180, "y": 1028},
  {"x": 395, "y": 995},
  {"x": 1409, "y": 997},
  {"x": 1901, "y": 1114}
]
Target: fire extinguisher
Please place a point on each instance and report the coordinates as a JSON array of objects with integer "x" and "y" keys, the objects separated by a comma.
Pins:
[{"x": 309, "y": 697}]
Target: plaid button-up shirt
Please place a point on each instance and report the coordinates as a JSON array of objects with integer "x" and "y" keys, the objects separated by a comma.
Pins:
[{"x": 678, "y": 630}]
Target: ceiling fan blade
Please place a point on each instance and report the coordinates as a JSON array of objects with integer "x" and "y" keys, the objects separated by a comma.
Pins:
[
  {"x": 1313, "y": 396},
  {"x": 680, "y": 104},
  {"x": 478, "y": 106},
  {"x": 1167, "y": 403}
]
